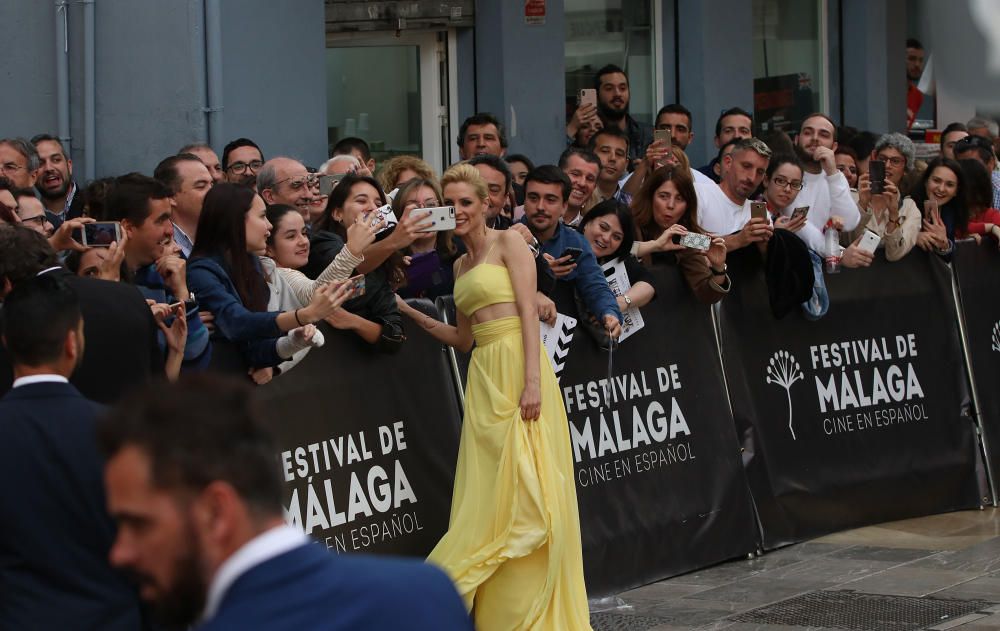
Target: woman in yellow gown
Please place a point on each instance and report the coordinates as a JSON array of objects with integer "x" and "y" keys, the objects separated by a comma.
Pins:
[{"x": 513, "y": 541}]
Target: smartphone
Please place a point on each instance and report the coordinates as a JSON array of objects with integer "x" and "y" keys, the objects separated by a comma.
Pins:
[
  {"x": 930, "y": 208},
  {"x": 876, "y": 175},
  {"x": 758, "y": 210},
  {"x": 443, "y": 218},
  {"x": 662, "y": 135},
  {"x": 382, "y": 213},
  {"x": 328, "y": 182},
  {"x": 801, "y": 211},
  {"x": 357, "y": 286},
  {"x": 695, "y": 241},
  {"x": 100, "y": 234},
  {"x": 573, "y": 253},
  {"x": 869, "y": 241},
  {"x": 588, "y": 96}
]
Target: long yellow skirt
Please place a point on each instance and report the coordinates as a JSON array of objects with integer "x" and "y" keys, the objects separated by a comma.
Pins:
[{"x": 513, "y": 541}]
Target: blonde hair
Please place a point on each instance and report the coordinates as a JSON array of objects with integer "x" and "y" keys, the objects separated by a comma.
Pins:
[
  {"x": 465, "y": 173},
  {"x": 392, "y": 167}
]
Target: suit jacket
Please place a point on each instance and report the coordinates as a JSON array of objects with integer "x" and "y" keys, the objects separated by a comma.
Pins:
[
  {"x": 311, "y": 588},
  {"x": 55, "y": 532},
  {"x": 120, "y": 348}
]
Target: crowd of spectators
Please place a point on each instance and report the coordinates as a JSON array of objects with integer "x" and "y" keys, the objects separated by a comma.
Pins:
[{"x": 229, "y": 262}]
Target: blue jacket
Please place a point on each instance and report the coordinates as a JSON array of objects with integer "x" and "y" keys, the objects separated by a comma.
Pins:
[
  {"x": 255, "y": 332},
  {"x": 55, "y": 531},
  {"x": 198, "y": 350},
  {"x": 587, "y": 278},
  {"x": 311, "y": 588}
]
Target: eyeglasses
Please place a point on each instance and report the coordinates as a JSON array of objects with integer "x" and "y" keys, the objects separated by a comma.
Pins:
[
  {"x": 38, "y": 220},
  {"x": 10, "y": 167},
  {"x": 782, "y": 182},
  {"x": 896, "y": 161},
  {"x": 296, "y": 182},
  {"x": 239, "y": 168},
  {"x": 973, "y": 142}
]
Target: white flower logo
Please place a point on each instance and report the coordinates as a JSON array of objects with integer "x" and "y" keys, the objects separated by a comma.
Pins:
[
  {"x": 784, "y": 371},
  {"x": 996, "y": 337}
]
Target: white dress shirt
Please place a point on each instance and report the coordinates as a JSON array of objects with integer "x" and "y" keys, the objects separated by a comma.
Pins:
[{"x": 27, "y": 381}]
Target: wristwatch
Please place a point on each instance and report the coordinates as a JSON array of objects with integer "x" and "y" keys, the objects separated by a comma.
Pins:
[
  {"x": 718, "y": 272},
  {"x": 628, "y": 301}
]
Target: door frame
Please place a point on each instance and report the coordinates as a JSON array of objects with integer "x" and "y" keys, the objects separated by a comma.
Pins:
[{"x": 433, "y": 114}]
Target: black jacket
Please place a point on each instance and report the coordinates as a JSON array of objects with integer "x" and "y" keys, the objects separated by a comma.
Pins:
[
  {"x": 55, "y": 532},
  {"x": 120, "y": 349}
]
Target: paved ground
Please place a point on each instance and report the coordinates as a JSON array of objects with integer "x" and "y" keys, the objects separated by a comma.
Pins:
[{"x": 937, "y": 572}]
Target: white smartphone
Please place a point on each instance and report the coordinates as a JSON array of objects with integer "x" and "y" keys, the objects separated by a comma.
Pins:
[
  {"x": 869, "y": 241},
  {"x": 442, "y": 218},
  {"x": 696, "y": 241},
  {"x": 588, "y": 96}
]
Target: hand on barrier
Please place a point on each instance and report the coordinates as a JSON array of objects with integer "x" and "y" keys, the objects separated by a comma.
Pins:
[
  {"x": 612, "y": 326},
  {"x": 531, "y": 401},
  {"x": 260, "y": 376},
  {"x": 854, "y": 256},
  {"x": 546, "y": 308}
]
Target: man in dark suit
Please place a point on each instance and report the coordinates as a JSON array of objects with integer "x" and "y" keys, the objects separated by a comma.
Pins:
[
  {"x": 121, "y": 331},
  {"x": 193, "y": 481},
  {"x": 55, "y": 533}
]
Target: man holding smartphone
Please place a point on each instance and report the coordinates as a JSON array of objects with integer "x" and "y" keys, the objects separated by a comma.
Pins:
[
  {"x": 613, "y": 98},
  {"x": 143, "y": 206},
  {"x": 725, "y": 209},
  {"x": 546, "y": 194}
]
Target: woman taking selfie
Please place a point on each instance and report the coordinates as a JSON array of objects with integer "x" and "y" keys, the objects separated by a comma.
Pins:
[
  {"x": 431, "y": 256},
  {"x": 226, "y": 275},
  {"x": 665, "y": 210},
  {"x": 609, "y": 230},
  {"x": 513, "y": 541},
  {"x": 373, "y": 315},
  {"x": 941, "y": 197}
]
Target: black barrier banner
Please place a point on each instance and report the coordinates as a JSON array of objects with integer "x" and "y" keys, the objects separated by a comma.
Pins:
[
  {"x": 859, "y": 417},
  {"x": 977, "y": 269},
  {"x": 368, "y": 443},
  {"x": 659, "y": 482}
]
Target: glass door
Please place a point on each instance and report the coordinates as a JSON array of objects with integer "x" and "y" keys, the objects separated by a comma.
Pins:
[{"x": 390, "y": 91}]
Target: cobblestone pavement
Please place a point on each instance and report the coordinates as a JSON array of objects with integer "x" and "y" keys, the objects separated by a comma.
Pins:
[{"x": 937, "y": 572}]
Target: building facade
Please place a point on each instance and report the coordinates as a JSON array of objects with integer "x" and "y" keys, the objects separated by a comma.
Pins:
[{"x": 127, "y": 82}]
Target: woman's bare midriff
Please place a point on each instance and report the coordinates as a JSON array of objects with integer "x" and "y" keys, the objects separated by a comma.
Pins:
[{"x": 494, "y": 312}]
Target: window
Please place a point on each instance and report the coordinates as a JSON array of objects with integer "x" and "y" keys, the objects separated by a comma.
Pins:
[
  {"x": 789, "y": 62},
  {"x": 601, "y": 32}
]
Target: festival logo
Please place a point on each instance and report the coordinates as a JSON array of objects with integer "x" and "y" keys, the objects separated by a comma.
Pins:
[{"x": 784, "y": 370}]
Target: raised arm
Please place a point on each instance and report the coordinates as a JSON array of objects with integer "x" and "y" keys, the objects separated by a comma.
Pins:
[{"x": 459, "y": 337}]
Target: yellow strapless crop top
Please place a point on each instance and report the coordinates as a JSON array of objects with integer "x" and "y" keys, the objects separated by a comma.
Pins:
[{"x": 484, "y": 285}]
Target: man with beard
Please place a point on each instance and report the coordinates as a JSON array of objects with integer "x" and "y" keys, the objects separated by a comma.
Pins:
[
  {"x": 283, "y": 180},
  {"x": 613, "y": 99},
  {"x": 241, "y": 161},
  {"x": 55, "y": 182},
  {"x": 144, "y": 208},
  {"x": 724, "y": 209},
  {"x": 200, "y": 526},
  {"x": 582, "y": 168},
  {"x": 825, "y": 189},
  {"x": 546, "y": 194},
  {"x": 56, "y": 532}
]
